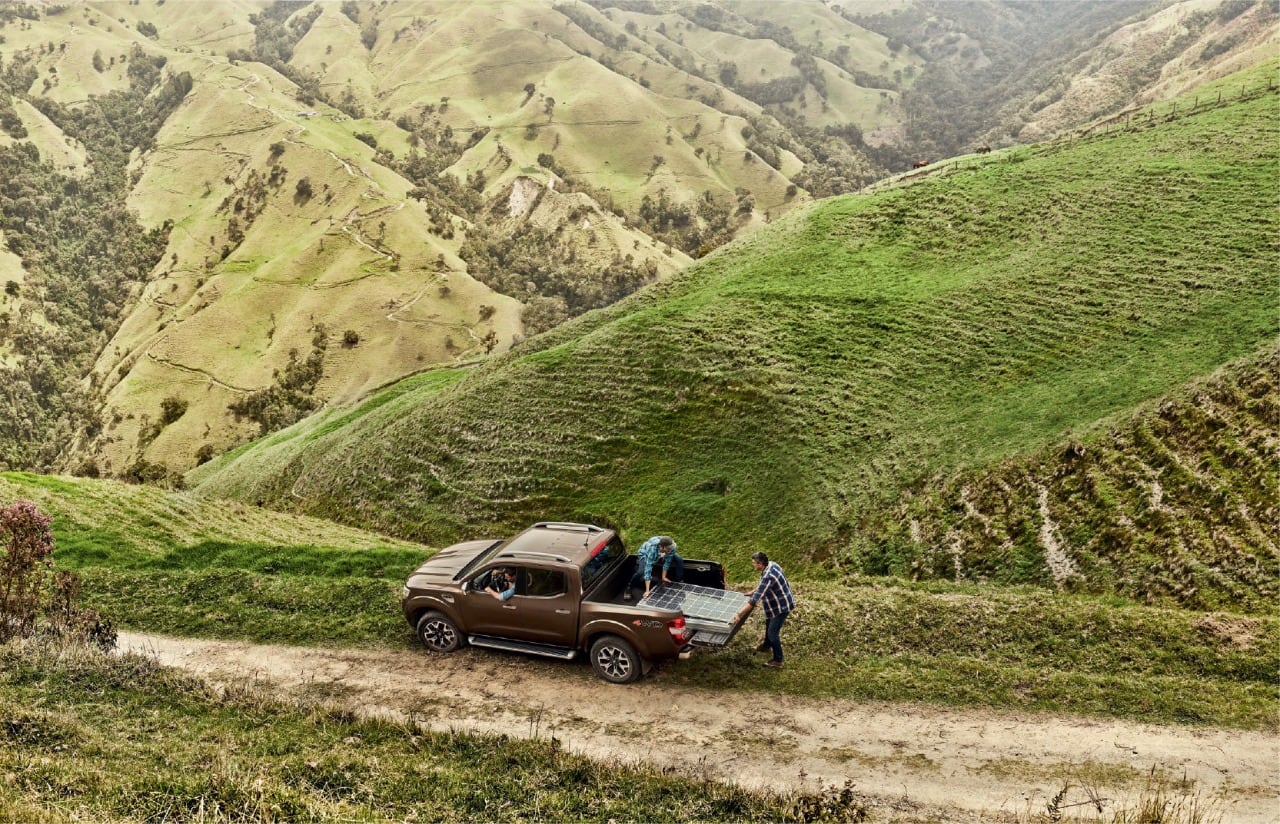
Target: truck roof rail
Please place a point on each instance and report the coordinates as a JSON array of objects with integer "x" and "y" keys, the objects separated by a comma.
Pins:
[
  {"x": 567, "y": 525},
  {"x": 522, "y": 553}
]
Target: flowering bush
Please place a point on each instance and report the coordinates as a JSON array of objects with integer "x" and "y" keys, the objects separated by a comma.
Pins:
[{"x": 29, "y": 584}]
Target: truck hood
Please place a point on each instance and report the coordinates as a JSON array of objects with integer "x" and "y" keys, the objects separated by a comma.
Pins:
[{"x": 446, "y": 563}]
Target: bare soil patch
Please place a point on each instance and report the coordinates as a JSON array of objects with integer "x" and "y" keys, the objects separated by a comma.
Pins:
[{"x": 906, "y": 762}]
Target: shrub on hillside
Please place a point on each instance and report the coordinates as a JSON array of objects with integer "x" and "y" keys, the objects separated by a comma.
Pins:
[
  {"x": 291, "y": 397},
  {"x": 30, "y": 586}
]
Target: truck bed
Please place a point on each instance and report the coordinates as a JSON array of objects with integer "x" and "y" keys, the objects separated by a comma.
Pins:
[{"x": 708, "y": 610}]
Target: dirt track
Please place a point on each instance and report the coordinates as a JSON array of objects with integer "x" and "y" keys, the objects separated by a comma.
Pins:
[{"x": 906, "y": 762}]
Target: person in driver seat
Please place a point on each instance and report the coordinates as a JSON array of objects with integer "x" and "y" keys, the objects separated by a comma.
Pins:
[{"x": 502, "y": 584}]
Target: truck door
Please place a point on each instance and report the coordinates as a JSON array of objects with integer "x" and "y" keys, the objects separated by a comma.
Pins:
[
  {"x": 549, "y": 613},
  {"x": 486, "y": 615},
  {"x": 541, "y": 609}
]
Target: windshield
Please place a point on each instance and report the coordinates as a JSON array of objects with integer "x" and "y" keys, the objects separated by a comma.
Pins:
[{"x": 602, "y": 557}]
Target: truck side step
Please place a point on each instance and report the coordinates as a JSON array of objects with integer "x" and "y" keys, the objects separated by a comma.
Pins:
[{"x": 530, "y": 647}]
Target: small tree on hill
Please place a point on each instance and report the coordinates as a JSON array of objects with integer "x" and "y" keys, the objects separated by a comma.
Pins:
[
  {"x": 26, "y": 562},
  {"x": 29, "y": 584}
]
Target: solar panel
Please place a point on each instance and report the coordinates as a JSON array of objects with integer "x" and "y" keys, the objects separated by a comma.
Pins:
[{"x": 703, "y": 607}]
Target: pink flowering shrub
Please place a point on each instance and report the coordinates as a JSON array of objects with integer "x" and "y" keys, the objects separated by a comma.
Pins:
[{"x": 30, "y": 586}]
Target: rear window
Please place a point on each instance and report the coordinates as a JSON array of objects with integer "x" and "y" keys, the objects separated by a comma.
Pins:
[{"x": 602, "y": 557}]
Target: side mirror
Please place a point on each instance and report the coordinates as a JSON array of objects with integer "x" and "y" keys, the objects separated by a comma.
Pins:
[{"x": 466, "y": 586}]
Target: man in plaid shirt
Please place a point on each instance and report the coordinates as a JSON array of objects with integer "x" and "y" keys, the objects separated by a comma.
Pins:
[
  {"x": 647, "y": 557},
  {"x": 775, "y": 593}
]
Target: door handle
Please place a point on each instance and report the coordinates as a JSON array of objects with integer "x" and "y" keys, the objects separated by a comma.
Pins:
[
  {"x": 562, "y": 612},
  {"x": 508, "y": 606}
]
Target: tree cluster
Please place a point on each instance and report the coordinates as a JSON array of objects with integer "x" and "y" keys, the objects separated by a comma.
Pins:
[
  {"x": 292, "y": 395},
  {"x": 84, "y": 254},
  {"x": 10, "y": 123},
  {"x": 549, "y": 273},
  {"x": 695, "y": 228}
]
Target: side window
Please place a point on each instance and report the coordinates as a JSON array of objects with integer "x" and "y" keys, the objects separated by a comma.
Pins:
[
  {"x": 489, "y": 577},
  {"x": 600, "y": 561},
  {"x": 545, "y": 583}
]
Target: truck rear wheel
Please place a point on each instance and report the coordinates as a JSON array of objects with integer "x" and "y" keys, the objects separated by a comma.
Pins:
[
  {"x": 438, "y": 633},
  {"x": 615, "y": 660}
]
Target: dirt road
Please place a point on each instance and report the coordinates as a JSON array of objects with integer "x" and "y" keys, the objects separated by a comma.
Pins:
[{"x": 906, "y": 762}]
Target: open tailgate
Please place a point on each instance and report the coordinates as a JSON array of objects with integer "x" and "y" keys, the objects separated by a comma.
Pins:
[{"x": 708, "y": 612}]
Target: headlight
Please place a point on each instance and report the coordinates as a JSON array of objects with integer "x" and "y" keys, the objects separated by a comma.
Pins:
[{"x": 404, "y": 592}]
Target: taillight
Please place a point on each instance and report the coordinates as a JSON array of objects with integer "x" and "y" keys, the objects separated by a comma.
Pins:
[{"x": 679, "y": 633}]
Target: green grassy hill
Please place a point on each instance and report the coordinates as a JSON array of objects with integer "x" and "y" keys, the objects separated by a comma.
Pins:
[
  {"x": 789, "y": 391},
  {"x": 348, "y": 195},
  {"x": 336, "y": 195},
  {"x": 343, "y": 194}
]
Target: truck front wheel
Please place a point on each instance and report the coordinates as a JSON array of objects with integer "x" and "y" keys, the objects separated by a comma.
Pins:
[
  {"x": 615, "y": 660},
  {"x": 439, "y": 634}
]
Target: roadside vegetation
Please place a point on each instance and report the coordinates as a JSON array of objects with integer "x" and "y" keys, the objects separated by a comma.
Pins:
[{"x": 207, "y": 753}]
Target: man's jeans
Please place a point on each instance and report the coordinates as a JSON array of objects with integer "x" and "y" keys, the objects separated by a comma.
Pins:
[{"x": 772, "y": 630}]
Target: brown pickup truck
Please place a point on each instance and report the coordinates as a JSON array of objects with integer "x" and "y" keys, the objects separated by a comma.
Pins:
[{"x": 568, "y": 584}]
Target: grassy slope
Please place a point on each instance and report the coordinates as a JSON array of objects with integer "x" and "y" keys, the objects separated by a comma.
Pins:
[
  {"x": 173, "y": 564},
  {"x": 1174, "y": 505},
  {"x": 145, "y": 554},
  {"x": 262, "y": 301},
  {"x": 783, "y": 391},
  {"x": 207, "y": 329},
  {"x": 616, "y": 109}
]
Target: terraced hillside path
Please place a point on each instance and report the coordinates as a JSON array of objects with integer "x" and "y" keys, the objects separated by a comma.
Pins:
[{"x": 905, "y": 762}]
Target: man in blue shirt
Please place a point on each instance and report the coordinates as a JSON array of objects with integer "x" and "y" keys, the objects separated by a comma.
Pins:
[
  {"x": 646, "y": 557},
  {"x": 502, "y": 584},
  {"x": 775, "y": 593}
]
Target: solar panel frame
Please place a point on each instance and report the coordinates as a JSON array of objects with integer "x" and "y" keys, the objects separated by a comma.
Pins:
[{"x": 703, "y": 607}]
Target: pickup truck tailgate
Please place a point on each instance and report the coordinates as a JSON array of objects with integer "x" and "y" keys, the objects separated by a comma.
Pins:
[{"x": 708, "y": 612}]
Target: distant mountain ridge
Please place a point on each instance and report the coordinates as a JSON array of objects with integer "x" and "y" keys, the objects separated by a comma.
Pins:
[{"x": 348, "y": 193}]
